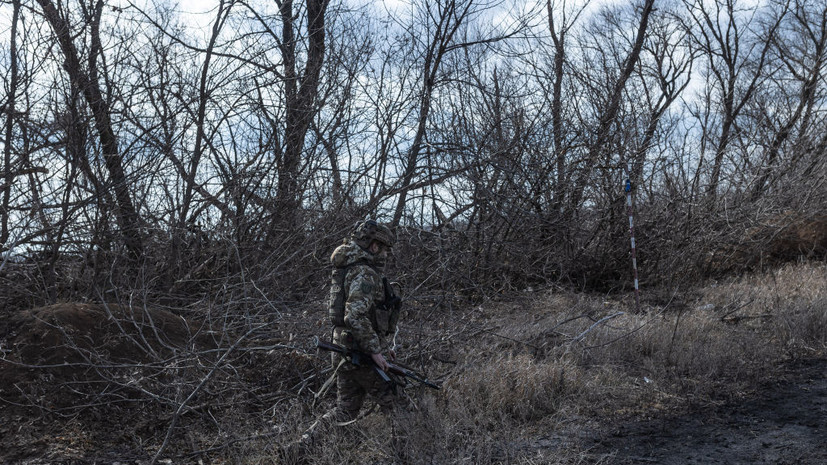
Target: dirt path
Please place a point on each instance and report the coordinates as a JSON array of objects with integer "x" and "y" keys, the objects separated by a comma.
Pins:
[{"x": 785, "y": 424}]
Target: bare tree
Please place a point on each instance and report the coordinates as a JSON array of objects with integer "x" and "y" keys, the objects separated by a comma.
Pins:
[
  {"x": 447, "y": 17},
  {"x": 300, "y": 94},
  {"x": 204, "y": 96},
  {"x": 801, "y": 46},
  {"x": 345, "y": 91},
  {"x": 306, "y": 113},
  {"x": 664, "y": 71},
  {"x": 599, "y": 144},
  {"x": 86, "y": 79},
  {"x": 736, "y": 54},
  {"x": 440, "y": 31},
  {"x": 10, "y": 111},
  {"x": 559, "y": 26}
]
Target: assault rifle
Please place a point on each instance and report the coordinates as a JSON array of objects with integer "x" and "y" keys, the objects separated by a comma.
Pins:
[{"x": 360, "y": 358}]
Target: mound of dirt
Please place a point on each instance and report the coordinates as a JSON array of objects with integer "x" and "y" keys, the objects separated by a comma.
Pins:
[
  {"x": 76, "y": 341},
  {"x": 99, "y": 383},
  {"x": 70, "y": 333}
]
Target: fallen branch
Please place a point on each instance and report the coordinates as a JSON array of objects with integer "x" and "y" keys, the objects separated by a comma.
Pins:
[
  {"x": 726, "y": 317},
  {"x": 596, "y": 324}
]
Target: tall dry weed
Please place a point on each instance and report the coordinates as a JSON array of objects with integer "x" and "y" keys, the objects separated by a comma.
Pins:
[
  {"x": 788, "y": 304},
  {"x": 519, "y": 387}
]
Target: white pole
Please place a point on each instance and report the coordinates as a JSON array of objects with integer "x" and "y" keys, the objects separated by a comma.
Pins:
[{"x": 632, "y": 236}]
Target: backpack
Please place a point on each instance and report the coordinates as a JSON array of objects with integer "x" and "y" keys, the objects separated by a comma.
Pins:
[{"x": 336, "y": 301}]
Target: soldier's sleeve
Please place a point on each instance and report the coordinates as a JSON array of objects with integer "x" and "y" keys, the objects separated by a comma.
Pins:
[{"x": 357, "y": 317}]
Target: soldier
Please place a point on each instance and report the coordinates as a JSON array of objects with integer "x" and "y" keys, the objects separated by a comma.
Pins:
[
  {"x": 362, "y": 319},
  {"x": 364, "y": 312}
]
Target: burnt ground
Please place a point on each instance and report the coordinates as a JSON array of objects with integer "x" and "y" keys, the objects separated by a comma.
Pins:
[{"x": 785, "y": 422}]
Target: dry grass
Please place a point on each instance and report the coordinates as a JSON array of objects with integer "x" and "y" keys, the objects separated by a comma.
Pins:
[
  {"x": 789, "y": 303},
  {"x": 523, "y": 379},
  {"x": 528, "y": 376},
  {"x": 541, "y": 370}
]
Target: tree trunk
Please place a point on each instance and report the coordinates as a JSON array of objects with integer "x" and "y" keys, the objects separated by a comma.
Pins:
[
  {"x": 300, "y": 97},
  {"x": 559, "y": 39},
  {"x": 10, "y": 116},
  {"x": 128, "y": 218}
]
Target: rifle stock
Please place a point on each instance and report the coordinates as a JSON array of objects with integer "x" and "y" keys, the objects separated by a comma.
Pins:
[{"x": 357, "y": 358}]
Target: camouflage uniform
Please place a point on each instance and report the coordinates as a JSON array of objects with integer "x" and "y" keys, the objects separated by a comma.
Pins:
[
  {"x": 367, "y": 327},
  {"x": 361, "y": 322}
]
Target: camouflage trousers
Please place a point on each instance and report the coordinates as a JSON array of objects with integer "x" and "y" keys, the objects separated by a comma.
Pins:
[{"x": 354, "y": 385}]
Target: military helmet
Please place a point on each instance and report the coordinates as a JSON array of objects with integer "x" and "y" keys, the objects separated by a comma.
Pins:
[{"x": 371, "y": 230}]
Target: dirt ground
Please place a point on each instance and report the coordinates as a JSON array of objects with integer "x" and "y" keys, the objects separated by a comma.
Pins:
[{"x": 785, "y": 423}]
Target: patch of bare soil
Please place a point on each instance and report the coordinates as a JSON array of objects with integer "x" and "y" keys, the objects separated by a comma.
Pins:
[
  {"x": 69, "y": 378},
  {"x": 785, "y": 423}
]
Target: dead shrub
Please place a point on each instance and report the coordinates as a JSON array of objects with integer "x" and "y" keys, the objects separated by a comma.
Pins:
[
  {"x": 513, "y": 371},
  {"x": 769, "y": 242}
]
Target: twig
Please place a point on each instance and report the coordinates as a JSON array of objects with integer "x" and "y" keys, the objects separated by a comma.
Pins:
[
  {"x": 598, "y": 322},
  {"x": 735, "y": 320},
  {"x": 195, "y": 391},
  {"x": 674, "y": 333},
  {"x": 636, "y": 329}
]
